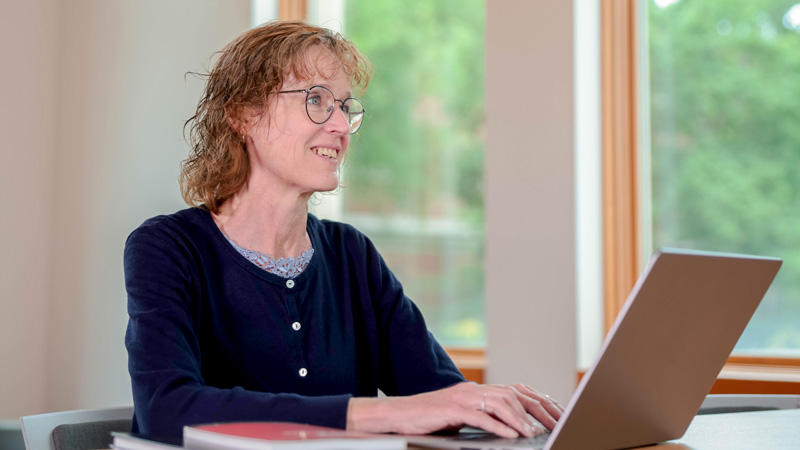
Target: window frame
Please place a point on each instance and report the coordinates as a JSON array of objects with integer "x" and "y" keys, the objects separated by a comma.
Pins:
[{"x": 292, "y": 9}]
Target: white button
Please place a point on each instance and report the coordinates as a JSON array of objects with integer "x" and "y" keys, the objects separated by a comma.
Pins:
[
  {"x": 289, "y": 284},
  {"x": 296, "y": 326},
  {"x": 303, "y": 372}
]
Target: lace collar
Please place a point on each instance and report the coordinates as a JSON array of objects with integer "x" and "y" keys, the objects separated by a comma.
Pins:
[{"x": 284, "y": 267}]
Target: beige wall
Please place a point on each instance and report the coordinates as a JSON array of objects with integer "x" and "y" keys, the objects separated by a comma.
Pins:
[
  {"x": 530, "y": 167},
  {"x": 92, "y": 123},
  {"x": 27, "y": 139}
]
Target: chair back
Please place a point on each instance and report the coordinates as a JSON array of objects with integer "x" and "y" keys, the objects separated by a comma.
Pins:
[
  {"x": 11, "y": 435},
  {"x": 75, "y": 430}
]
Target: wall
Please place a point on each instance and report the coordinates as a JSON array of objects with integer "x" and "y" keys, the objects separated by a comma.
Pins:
[
  {"x": 27, "y": 126},
  {"x": 97, "y": 110},
  {"x": 530, "y": 174}
]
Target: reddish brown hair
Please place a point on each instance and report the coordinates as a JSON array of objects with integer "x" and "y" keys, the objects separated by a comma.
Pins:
[{"x": 247, "y": 74}]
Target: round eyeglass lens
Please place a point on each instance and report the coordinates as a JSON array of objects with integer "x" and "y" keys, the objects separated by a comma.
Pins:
[
  {"x": 354, "y": 111},
  {"x": 319, "y": 104}
]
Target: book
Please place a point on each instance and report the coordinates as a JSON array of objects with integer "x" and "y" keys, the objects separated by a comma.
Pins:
[
  {"x": 283, "y": 436},
  {"x": 126, "y": 441}
]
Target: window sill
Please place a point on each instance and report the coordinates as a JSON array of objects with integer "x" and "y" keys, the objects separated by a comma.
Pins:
[
  {"x": 470, "y": 361},
  {"x": 758, "y": 376},
  {"x": 755, "y": 372},
  {"x": 739, "y": 376}
]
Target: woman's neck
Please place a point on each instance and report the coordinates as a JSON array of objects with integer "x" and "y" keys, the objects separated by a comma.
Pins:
[{"x": 271, "y": 224}]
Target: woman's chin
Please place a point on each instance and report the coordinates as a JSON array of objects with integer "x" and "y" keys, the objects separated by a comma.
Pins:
[{"x": 327, "y": 187}]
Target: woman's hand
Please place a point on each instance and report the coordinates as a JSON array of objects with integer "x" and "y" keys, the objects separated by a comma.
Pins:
[
  {"x": 541, "y": 406},
  {"x": 507, "y": 411}
]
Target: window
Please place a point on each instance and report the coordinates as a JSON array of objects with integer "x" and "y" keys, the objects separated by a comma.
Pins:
[
  {"x": 711, "y": 166},
  {"x": 725, "y": 145}
]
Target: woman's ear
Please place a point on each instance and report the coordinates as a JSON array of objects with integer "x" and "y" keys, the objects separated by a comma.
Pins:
[
  {"x": 242, "y": 119},
  {"x": 236, "y": 120}
]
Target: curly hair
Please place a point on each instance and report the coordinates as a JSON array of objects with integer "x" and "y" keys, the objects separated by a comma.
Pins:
[{"x": 247, "y": 74}]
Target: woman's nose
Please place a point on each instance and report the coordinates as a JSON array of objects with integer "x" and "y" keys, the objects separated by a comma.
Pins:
[{"x": 338, "y": 122}]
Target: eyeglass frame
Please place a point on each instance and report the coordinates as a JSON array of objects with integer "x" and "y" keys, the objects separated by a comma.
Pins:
[{"x": 308, "y": 91}]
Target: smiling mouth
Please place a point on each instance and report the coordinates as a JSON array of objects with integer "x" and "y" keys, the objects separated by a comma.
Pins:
[{"x": 326, "y": 152}]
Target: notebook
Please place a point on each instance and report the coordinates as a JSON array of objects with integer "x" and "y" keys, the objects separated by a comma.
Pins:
[{"x": 659, "y": 359}]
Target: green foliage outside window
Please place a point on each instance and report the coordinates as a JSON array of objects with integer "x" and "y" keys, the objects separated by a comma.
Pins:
[{"x": 725, "y": 142}]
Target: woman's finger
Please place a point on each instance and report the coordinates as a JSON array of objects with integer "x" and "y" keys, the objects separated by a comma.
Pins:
[
  {"x": 504, "y": 405},
  {"x": 538, "y": 411},
  {"x": 540, "y": 406},
  {"x": 550, "y": 404},
  {"x": 540, "y": 429},
  {"x": 484, "y": 421}
]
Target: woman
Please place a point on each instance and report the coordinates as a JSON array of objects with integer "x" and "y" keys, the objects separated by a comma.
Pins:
[{"x": 246, "y": 307}]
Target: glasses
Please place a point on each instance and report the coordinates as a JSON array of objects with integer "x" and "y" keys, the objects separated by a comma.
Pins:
[{"x": 320, "y": 104}]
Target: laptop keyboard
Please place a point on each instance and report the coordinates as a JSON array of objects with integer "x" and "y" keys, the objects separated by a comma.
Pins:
[{"x": 500, "y": 442}]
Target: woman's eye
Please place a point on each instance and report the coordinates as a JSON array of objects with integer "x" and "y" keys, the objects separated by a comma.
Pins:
[
  {"x": 314, "y": 101},
  {"x": 346, "y": 109}
]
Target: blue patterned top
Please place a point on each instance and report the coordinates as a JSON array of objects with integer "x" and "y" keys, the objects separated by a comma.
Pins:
[{"x": 284, "y": 267}]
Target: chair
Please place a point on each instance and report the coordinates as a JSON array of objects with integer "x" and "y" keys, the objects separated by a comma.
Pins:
[
  {"x": 75, "y": 430},
  {"x": 729, "y": 403},
  {"x": 11, "y": 435}
]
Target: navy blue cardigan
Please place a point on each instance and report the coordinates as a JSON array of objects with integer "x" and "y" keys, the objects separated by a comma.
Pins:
[{"x": 214, "y": 338}]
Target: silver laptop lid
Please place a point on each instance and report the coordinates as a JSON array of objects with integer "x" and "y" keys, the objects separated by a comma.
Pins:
[{"x": 665, "y": 349}]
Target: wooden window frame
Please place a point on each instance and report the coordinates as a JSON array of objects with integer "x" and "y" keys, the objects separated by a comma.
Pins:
[
  {"x": 293, "y": 10},
  {"x": 621, "y": 203},
  {"x": 620, "y": 153}
]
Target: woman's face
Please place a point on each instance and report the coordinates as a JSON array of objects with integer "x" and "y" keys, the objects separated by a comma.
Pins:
[{"x": 290, "y": 152}]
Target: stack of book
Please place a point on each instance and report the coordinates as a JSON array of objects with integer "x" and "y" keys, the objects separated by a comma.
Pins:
[{"x": 265, "y": 436}]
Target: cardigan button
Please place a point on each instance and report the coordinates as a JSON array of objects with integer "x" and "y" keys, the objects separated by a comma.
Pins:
[
  {"x": 296, "y": 326},
  {"x": 289, "y": 284},
  {"x": 303, "y": 372}
]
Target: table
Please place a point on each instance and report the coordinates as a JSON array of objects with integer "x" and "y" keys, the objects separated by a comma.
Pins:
[{"x": 772, "y": 430}]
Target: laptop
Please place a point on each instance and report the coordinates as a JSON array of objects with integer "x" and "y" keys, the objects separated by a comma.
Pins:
[{"x": 659, "y": 360}]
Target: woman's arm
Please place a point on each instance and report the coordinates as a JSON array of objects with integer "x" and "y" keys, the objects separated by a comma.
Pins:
[{"x": 412, "y": 363}]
